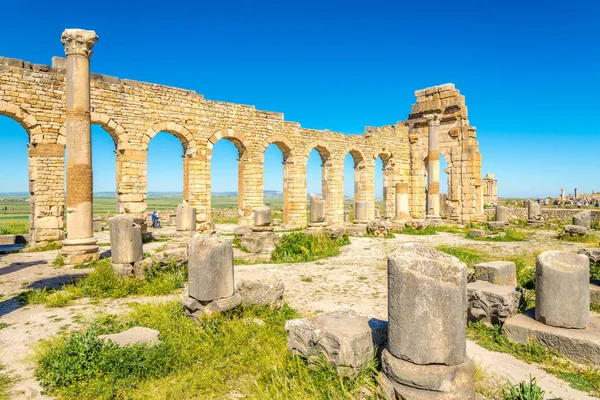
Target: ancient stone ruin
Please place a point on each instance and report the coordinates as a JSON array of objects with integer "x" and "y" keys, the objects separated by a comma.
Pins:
[
  {"x": 125, "y": 244},
  {"x": 426, "y": 353},
  {"x": 211, "y": 286},
  {"x": 134, "y": 112},
  {"x": 261, "y": 239}
]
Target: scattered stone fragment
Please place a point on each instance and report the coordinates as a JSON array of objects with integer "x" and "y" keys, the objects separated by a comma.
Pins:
[
  {"x": 477, "y": 233},
  {"x": 491, "y": 303},
  {"x": 379, "y": 227},
  {"x": 133, "y": 336},
  {"x": 268, "y": 291},
  {"x": 497, "y": 272},
  {"x": 575, "y": 230},
  {"x": 345, "y": 338}
]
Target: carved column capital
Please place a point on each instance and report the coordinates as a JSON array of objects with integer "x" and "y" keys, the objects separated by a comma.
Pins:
[
  {"x": 433, "y": 119},
  {"x": 78, "y": 42}
]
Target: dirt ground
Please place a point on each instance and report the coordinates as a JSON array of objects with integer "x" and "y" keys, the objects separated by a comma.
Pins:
[{"x": 355, "y": 279}]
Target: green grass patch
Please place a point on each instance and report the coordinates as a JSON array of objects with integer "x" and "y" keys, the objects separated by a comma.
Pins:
[
  {"x": 14, "y": 228},
  {"x": 590, "y": 238},
  {"x": 237, "y": 244},
  {"x": 466, "y": 255},
  {"x": 301, "y": 247},
  {"x": 215, "y": 358},
  {"x": 523, "y": 391},
  {"x": 429, "y": 230},
  {"x": 104, "y": 283},
  {"x": 584, "y": 378},
  {"x": 50, "y": 246}
]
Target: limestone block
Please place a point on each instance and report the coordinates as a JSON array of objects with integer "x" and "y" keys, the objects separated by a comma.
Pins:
[
  {"x": 185, "y": 219},
  {"x": 133, "y": 336},
  {"x": 583, "y": 219},
  {"x": 262, "y": 216},
  {"x": 501, "y": 213},
  {"x": 477, "y": 233},
  {"x": 210, "y": 268},
  {"x": 497, "y": 272},
  {"x": 401, "y": 379},
  {"x": 593, "y": 254},
  {"x": 346, "y": 216},
  {"x": 317, "y": 209},
  {"x": 379, "y": 228},
  {"x": 345, "y": 338},
  {"x": 125, "y": 240},
  {"x": 261, "y": 292},
  {"x": 580, "y": 345},
  {"x": 575, "y": 230},
  {"x": 242, "y": 230},
  {"x": 497, "y": 224},
  {"x": 361, "y": 210},
  {"x": 260, "y": 242},
  {"x": 490, "y": 303},
  {"x": 562, "y": 289},
  {"x": 427, "y": 304},
  {"x": 336, "y": 232}
]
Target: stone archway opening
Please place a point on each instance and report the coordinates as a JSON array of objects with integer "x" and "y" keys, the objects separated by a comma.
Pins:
[
  {"x": 226, "y": 188},
  {"x": 275, "y": 180},
  {"x": 165, "y": 181},
  {"x": 316, "y": 175},
  {"x": 355, "y": 185},
  {"x": 104, "y": 156},
  {"x": 14, "y": 189}
]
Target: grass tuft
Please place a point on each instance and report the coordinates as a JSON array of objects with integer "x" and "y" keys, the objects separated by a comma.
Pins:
[
  {"x": 6, "y": 382},
  {"x": 301, "y": 247}
]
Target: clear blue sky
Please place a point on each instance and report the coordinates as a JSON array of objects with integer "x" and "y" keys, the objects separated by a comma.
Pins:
[{"x": 530, "y": 71}]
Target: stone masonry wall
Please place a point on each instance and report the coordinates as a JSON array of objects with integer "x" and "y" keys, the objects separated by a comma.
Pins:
[{"x": 134, "y": 112}]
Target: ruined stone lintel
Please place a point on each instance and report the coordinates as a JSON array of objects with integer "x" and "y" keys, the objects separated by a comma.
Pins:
[
  {"x": 491, "y": 304},
  {"x": 79, "y": 42}
]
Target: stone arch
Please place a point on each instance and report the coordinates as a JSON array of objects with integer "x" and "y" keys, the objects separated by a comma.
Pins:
[
  {"x": 185, "y": 136},
  {"x": 385, "y": 155},
  {"x": 357, "y": 156},
  {"x": 281, "y": 143},
  {"x": 116, "y": 131},
  {"x": 237, "y": 138},
  {"x": 26, "y": 120},
  {"x": 320, "y": 148}
]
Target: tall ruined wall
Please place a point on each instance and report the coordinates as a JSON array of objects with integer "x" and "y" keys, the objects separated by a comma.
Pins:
[
  {"x": 134, "y": 112},
  {"x": 458, "y": 146}
]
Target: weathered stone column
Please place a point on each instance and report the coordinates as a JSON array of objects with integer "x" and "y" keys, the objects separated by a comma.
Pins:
[
  {"x": 402, "y": 200},
  {"x": 576, "y": 193},
  {"x": 427, "y": 302},
  {"x": 295, "y": 181},
  {"x": 433, "y": 168},
  {"x": 562, "y": 195},
  {"x": 80, "y": 245}
]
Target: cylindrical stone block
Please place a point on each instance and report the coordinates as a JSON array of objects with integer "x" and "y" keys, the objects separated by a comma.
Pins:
[
  {"x": 361, "y": 210},
  {"x": 534, "y": 211},
  {"x": 317, "y": 209},
  {"x": 346, "y": 216},
  {"x": 501, "y": 214},
  {"x": 125, "y": 240},
  {"x": 583, "y": 218},
  {"x": 185, "y": 219},
  {"x": 210, "y": 268},
  {"x": 562, "y": 289},
  {"x": 427, "y": 306},
  {"x": 262, "y": 216}
]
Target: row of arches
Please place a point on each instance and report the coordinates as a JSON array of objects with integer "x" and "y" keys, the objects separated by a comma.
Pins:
[{"x": 319, "y": 154}]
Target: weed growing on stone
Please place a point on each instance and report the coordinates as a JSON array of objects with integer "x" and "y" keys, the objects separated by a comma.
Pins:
[
  {"x": 584, "y": 378},
  {"x": 301, "y": 247},
  {"x": 193, "y": 360},
  {"x": 590, "y": 238},
  {"x": 237, "y": 244},
  {"x": 50, "y": 246},
  {"x": 104, "y": 283}
]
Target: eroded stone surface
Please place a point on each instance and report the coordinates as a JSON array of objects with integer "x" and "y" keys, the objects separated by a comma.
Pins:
[
  {"x": 210, "y": 268},
  {"x": 427, "y": 303},
  {"x": 562, "y": 289},
  {"x": 497, "y": 272},
  {"x": 268, "y": 291},
  {"x": 345, "y": 338},
  {"x": 133, "y": 336},
  {"x": 490, "y": 303}
]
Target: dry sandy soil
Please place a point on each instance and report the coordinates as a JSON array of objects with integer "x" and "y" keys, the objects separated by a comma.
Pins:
[{"x": 355, "y": 279}]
